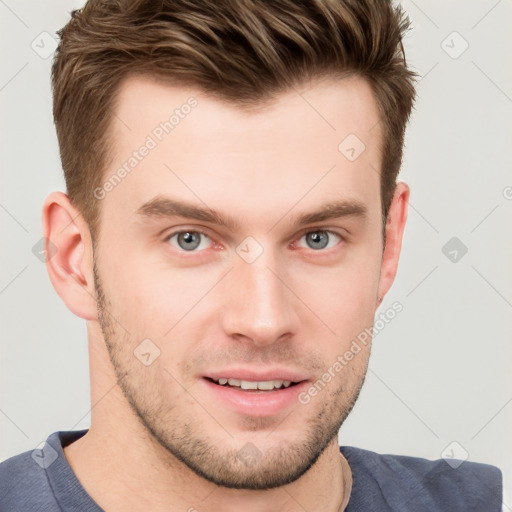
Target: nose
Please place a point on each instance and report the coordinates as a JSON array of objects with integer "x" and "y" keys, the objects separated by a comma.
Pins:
[{"x": 257, "y": 304}]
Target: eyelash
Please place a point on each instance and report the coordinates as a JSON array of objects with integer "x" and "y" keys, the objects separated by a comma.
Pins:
[
  {"x": 321, "y": 230},
  {"x": 175, "y": 233},
  {"x": 293, "y": 244}
]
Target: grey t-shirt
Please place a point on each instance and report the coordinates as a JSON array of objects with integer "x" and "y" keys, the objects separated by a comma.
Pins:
[{"x": 42, "y": 480}]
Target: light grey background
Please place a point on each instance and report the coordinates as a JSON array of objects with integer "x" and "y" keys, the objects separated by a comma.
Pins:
[{"x": 440, "y": 374}]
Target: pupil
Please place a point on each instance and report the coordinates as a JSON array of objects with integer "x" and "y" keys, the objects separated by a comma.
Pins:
[
  {"x": 317, "y": 240},
  {"x": 189, "y": 240}
]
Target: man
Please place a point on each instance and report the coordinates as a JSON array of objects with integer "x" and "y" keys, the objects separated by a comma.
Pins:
[{"x": 232, "y": 221}]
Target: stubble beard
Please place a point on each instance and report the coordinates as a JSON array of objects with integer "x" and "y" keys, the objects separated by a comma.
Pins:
[{"x": 248, "y": 467}]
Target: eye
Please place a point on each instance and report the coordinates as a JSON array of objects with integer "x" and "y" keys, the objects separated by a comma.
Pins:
[
  {"x": 320, "y": 239},
  {"x": 190, "y": 240}
]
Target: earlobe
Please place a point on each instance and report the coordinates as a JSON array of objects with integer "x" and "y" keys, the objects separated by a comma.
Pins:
[
  {"x": 69, "y": 258},
  {"x": 395, "y": 225}
]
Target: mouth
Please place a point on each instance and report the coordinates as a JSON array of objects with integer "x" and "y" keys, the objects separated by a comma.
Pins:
[
  {"x": 254, "y": 394},
  {"x": 250, "y": 392},
  {"x": 252, "y": 385}
]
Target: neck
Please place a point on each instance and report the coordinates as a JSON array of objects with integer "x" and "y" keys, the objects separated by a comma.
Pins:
[{"x": 136, "y": 478}]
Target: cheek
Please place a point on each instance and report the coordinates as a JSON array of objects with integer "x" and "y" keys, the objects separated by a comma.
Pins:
[
  {"x": 344, "y": 297},
  {"x": 151, "y": 291}
]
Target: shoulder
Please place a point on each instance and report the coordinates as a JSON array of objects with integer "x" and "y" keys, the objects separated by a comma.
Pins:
[
  {"x": 27, "y": 480},
  {"x": 405, "y": 483},
  {"x": 24, "y": 484}
]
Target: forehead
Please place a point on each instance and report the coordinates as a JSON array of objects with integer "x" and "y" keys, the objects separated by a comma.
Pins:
[
  {"x": 316, "y": 143},
  {"x": 327, "y": 106}
]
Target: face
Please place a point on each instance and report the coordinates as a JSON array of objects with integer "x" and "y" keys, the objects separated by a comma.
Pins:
[{"x": 239, "y": 256}]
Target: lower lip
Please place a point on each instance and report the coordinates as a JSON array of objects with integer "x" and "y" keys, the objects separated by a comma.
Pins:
[{"x": 256, "y": 403}]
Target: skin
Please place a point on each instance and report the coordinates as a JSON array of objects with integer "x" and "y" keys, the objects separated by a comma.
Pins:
[{"x": 294, "y": 306}]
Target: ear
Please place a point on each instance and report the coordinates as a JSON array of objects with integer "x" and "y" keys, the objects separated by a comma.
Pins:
[
  {"x": 69, "y": 258},
  {"x": 395, "y": 225}
]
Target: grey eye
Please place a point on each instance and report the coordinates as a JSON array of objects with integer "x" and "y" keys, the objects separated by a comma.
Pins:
[
  {"x": 320, "y": 239},
  {"x": 317, "y": 239},
  {"x": 189, "y": 240}
]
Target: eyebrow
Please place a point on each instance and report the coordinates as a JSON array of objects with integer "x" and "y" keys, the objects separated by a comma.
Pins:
[
  {"x": 162, "y": 206},
  {"x": 334, "y": 210}
]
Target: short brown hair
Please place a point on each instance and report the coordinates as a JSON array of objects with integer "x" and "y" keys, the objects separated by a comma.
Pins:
[{"x": 241, "y": 51}]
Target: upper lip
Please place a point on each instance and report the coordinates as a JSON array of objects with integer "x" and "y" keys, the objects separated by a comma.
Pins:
[{"x": 257, "y": 376}]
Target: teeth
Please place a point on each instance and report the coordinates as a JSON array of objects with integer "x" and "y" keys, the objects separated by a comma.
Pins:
[
  {"x": 265, "y": 385},
  {"x": 245, "y": 384}
]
